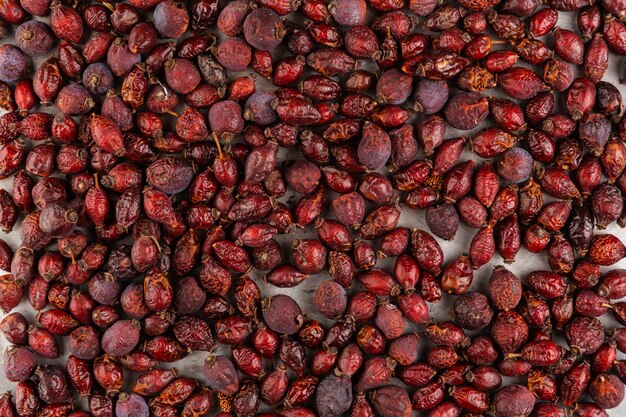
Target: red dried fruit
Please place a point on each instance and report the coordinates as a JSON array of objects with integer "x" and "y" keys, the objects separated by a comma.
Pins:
[
  {"x": 428, "y": 396},
  {"x": 121, "y": 338},
  {"x": 607, "y": 391},
  {"x": 513, "y": 400},
  {"x": 606, "y": 249},
  {"x": 484, "y": 378},
  {"x": 282, "y": 314},
  {"x": 588, "y": 340},
  {"x": 508, "y": 239},
  {"x": 392, "y": 401},
  {"x": 520, "y": 83},
  {"x": 334, "y": 395},
  {"x": 18, "y": 363},
  {"x": 470, "y": 398},
  {"x": 472, "y": 311}
]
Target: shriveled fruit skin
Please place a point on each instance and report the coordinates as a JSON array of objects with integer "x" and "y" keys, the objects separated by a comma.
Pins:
[
  {"x": 221, "y": 375},
  {"x": 334, "y": 395},
  {"x": 520, "y": 83},
  {"x": 513, "y": 401},
  {"x": 121, "y": 337},
  {"x": 263, "y": 29},
  {"x": 607, "y": 391},
  {"x": 375, "y": 147},
  {"x": 107, "y": 135},
  {"x": 509, "y": 331},
  {"x": 331, "y": 299},
  {"x": 443, "y": 221},
  {"x": 505, "y": 289},
  {"x": 606, "y": 249},
  {"x": 282, "y": 314},
  {"x": 14, "y": 63},
  {"x": 515, "y": 165},
  {"x": 392, "y": 401},
  {"x": 472, "y": 311},
  {"x": 465, "y": 111},
  {"x": 18, "y": 363},
  {"x": 171, "y": 19},
  {"x": 52, "y": 384}
]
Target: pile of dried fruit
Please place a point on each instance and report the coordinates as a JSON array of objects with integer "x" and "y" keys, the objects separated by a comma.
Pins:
[{"x": 150, "y": 190}]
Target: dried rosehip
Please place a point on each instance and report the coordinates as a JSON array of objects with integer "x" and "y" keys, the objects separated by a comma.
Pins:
[
  {"x": 334, "y": 395},
  {"x": 520, "y": 83},
  {"x": 443, "y": 221},
  {"x": 121, "y": 337},
  {"x": 513, "y": 400},
  {"x": 282, "y": 314},
  {"x": 472, "y": 311},
  {"x": 606, "y": 249},
  {"x": 15, "y": 63},
  {"x": 607, "y": 391},
  {"x": 392, "y": 401}
]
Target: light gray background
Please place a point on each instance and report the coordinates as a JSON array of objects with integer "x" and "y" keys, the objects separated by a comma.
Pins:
[{"x": 525, "y": 261}]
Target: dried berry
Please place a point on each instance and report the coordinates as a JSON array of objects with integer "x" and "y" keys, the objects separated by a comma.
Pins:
[
  {"x": 607, "y": 391},
  {"x": 465, "y": 111},
  {"x": 472, "y": 311},
  {"x": 392, "y": 401},
  {"x": 282, "y": 314},
  {"x": 334, "y": 395},
  {"x": 513, "y": 400}
]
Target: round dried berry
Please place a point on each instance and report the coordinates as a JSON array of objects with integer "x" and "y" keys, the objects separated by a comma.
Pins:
[
  {"x": 331, "y": 299},
  {"x": 264, "y": 29},
  {"x": 181, "y": 75},
  {"x": 171, "y": 19},
  {"x": 131, "y": 405},
  {"x": 375, "y": 146},
  {"x": 349, "y": 208},
  {"x": 18, "y": 363},
  {"x": 443, "y": 221},
  {"x": 170, "y": 174},
  {"x": 393, "y": 87},
  {"x": 13, "y": 327},
  {"x": 13, "y": 63},
  {"x": 349, "y": 12},
  {"x": 509, "y": 331},
  {"x": 430, "y": 96},
  {"x": 302, "y": 176},
  {"x": 465, "y": 111},
  {"x": 98, "y": 78},
  {"x": 585, "y": 334},
  {"x": 84, "y": 343},
  {"x": 392, "y": 401},
  {"x": 472, "y": 311},
  {"x": 513, "y": 401},
  {"x": 258, "y": 108},
  {"x": 607, "y": 391},
  {"x": 504, "y": 288},
  {"x": 220, "y": 375},
  {"x": 121, "y": 337},
  {"x": 34, "y": 38},
  {"x": 282, "y": 314},
  {"x": 515, "y": 165},
  {"x": 334, "y": 395},
  {"x": 225, "y": 119},
  {"x": 234, "y": 54}
]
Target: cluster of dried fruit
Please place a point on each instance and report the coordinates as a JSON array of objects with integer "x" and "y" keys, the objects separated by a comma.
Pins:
[{"x": 156, "y": 228}]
